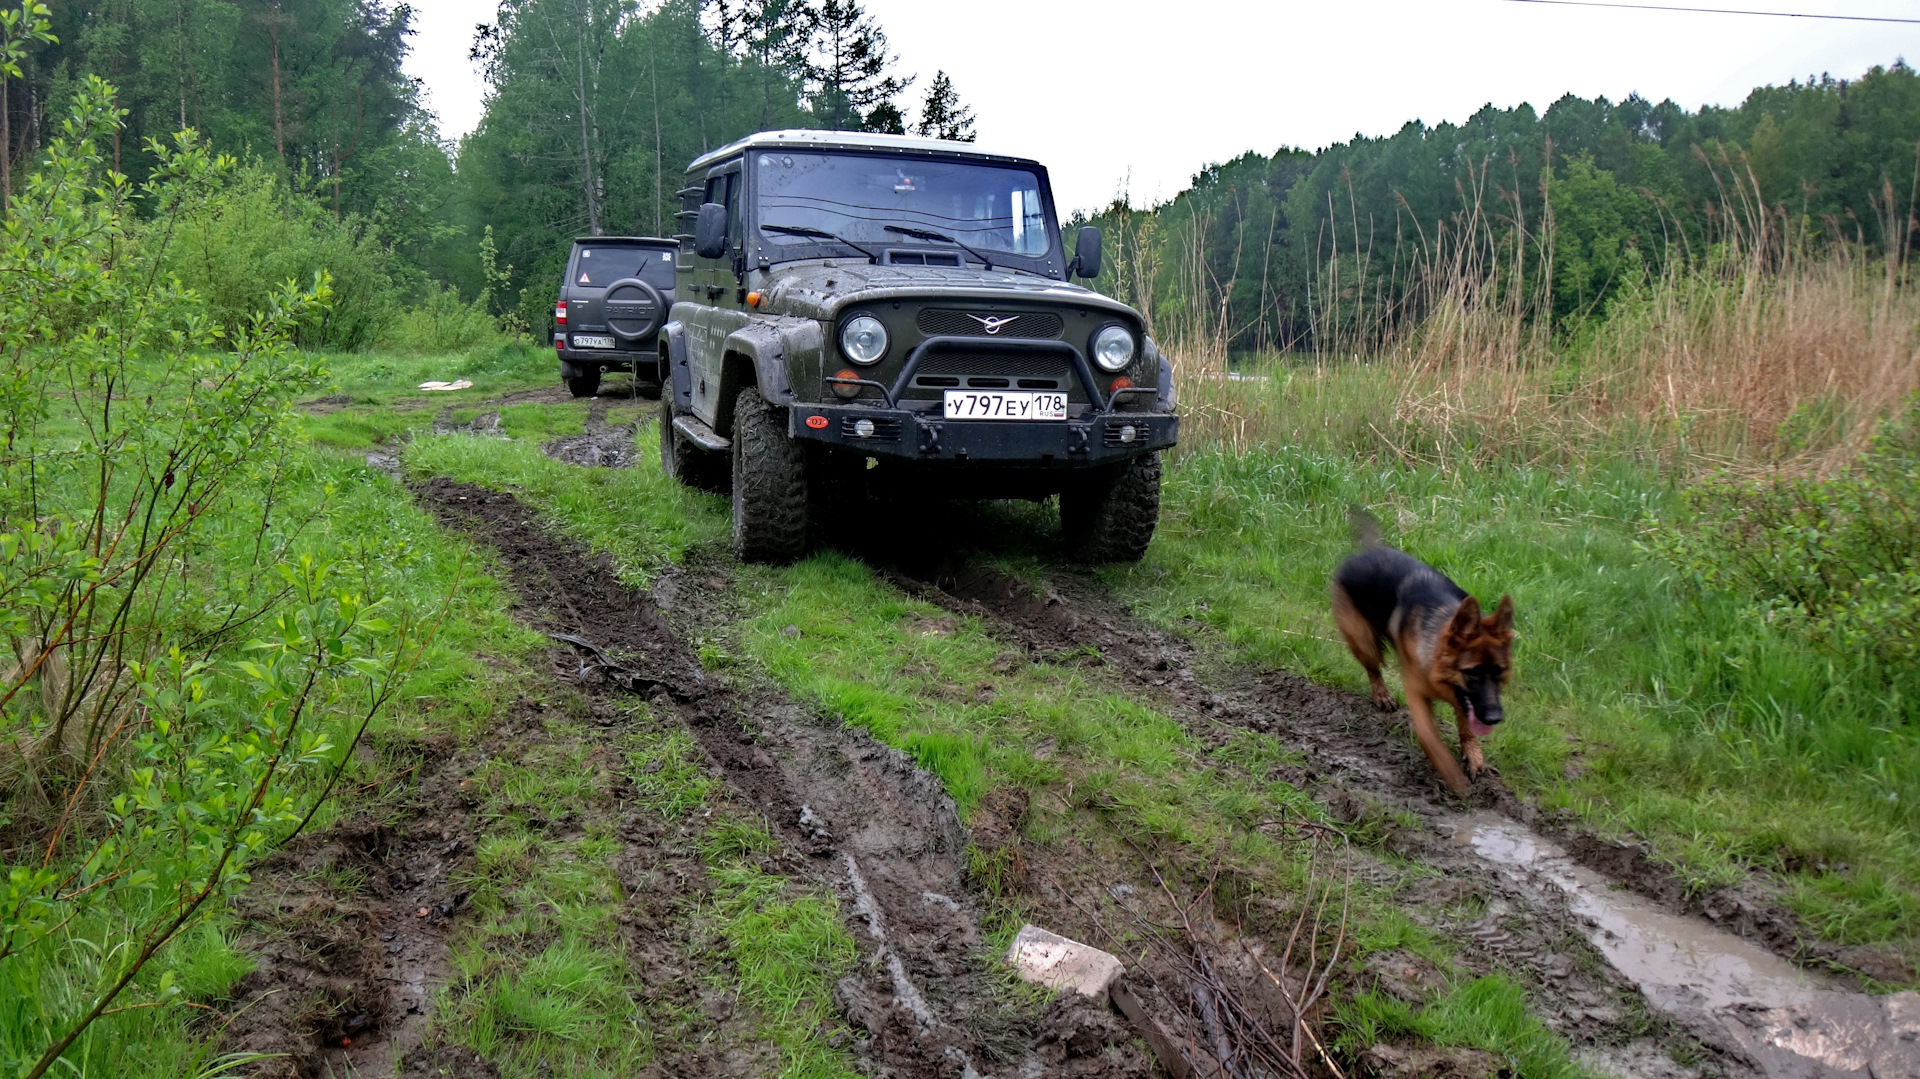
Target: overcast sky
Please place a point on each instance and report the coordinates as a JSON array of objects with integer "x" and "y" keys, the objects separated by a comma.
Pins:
[{"x": 1142, "y": 95}]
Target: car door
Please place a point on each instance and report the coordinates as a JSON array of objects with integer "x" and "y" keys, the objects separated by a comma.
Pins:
[{"x": 714, "y": 286}]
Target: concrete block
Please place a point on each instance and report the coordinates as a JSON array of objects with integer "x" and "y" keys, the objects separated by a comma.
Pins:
[{"x": 1052, "y": 960}]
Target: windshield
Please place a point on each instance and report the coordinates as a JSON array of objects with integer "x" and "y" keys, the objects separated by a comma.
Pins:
[
  {"x": 598, "y": 267},
  {"x": 993, "y": 208}
]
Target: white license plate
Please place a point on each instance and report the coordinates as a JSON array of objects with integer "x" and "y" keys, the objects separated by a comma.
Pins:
[
  {"x": 581, "y": 340},
  {"x": 1005, "y": 405}
]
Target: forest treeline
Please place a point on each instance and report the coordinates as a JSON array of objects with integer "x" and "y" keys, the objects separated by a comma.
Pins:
[
  {"x": 594, "y": 109},
  {"x": 595, "y": 106},
  {"x": 1572, "y": 207}
]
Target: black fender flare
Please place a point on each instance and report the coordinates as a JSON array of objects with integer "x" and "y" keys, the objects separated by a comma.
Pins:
[
  {"x": 760, "y": 354},
  {"x": 676, "y": 376},
  {"x": 1168, "y": 395}
]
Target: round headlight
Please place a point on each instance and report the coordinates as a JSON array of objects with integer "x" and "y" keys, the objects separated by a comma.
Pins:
[
  {"x": 1113, "y": 348},
  {"x": 863, "y": 339}
]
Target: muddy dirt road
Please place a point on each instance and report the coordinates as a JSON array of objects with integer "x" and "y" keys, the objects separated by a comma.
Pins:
[
  {"x": 878, "y": 831},
  {"x": 1716, "y": 967}
]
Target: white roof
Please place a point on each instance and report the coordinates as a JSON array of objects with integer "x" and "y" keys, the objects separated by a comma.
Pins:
[{"x": 850, "y": 140}]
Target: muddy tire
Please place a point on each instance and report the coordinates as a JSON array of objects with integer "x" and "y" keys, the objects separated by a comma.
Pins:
[
  {"x": 584, "y": 386},
  {"x": 686, "y": 462},
  {"x": 769, "y": 483},
  {"x": 1110, "y": 516}
]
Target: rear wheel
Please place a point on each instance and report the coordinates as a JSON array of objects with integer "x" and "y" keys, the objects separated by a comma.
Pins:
[
  {"x": 686, "y": 462},
  {"x": 769, "y": 483},
  {"x": 584, "y": 385},
  {"x": 1110, "y": 516}
]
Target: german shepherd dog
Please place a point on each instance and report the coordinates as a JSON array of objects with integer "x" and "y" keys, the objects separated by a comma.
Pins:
[{"x": 1448, "y": 651}]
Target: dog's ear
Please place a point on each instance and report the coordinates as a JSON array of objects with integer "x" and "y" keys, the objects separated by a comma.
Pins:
[
  {"x": 1503, "y": 616},
  {"x": 1466, "y": 621}
]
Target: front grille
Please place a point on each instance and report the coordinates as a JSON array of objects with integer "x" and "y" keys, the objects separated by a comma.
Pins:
[
  {"x": 989, "y": 365},
  {"x": 884, "y": 430},
  {"x": 945, "y": 322}
]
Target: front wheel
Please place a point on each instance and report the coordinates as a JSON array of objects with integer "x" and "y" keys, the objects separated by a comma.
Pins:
[
  {"x": 769, "y": 483},
  {"x": 1110, "y": 516},
  {"x": 584, "y": 385}
]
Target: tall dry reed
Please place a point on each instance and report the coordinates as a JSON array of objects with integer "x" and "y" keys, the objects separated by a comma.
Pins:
[{"x": 1762, "y": 352}]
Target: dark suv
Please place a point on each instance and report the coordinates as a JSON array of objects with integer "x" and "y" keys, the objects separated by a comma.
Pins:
[
  {"x": 895, "y": 317},
  {"x": 613, "y": 297}
]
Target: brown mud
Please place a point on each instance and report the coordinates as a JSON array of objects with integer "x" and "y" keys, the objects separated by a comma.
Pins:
[
  {"x": 602, "y": 445},
  {"x": 859, "y": 816},
  {"x": 348, "y": 929},
  {"x": 1711, "y": 966}
]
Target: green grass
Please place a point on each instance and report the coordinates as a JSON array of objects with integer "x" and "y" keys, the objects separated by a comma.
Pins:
[
  {"x": 1487, "y": 1013},
  {"x": 1633, "y": 704}
]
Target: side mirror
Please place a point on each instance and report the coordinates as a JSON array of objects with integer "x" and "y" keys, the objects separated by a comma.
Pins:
[
  {"x": 1086, "y": 253},
  {"x": 710, "y": 231}
]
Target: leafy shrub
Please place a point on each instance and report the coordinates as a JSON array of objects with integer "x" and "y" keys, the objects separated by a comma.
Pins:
[
  {"x": 445, "y": 323},
  {"x": 254, "y": 233},
  {"x": 1835, "y": 560},
  {"x": 145, "y": 439}
]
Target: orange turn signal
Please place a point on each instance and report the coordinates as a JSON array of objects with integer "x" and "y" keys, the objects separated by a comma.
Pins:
[
  {"x": 753, "y": 299},
  {"x": 1122, "y": 383},
  {"x": 843, "y": 390}
]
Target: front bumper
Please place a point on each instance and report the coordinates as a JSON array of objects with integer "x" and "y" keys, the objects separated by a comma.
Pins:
[{"x": 1094, "y": 438}]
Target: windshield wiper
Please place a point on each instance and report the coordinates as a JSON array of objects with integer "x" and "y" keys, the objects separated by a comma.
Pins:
[
  {"x": 807, "y": 230},
  {"x": 928, "y": 234}
]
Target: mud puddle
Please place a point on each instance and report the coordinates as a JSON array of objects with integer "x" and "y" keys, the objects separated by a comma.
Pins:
[
  {"x": 866, "y": 822},
  {"x": 1754, "y": 1011},
  {"x": 602, "y": 445},
  {"x": 1786, "y": 1020}
]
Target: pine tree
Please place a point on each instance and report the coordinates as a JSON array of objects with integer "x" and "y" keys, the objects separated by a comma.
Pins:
[
  {"x": 848, "y": 67},
  {"x": 942, "y": 116}
]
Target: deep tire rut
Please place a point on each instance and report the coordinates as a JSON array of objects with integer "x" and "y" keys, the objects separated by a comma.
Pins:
[{"x": 868, "y": 824}]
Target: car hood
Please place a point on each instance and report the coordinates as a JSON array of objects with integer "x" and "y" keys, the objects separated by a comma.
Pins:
[{"x": 817, "y": 290}]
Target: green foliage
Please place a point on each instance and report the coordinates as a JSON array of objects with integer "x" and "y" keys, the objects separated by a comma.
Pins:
[
  {"x": 445, "y": 323},
  {"x": 1833, "y": 560},
  {"x": 1489, "y": 1013},
  {"x": 148, "y": 750},
  {"x": 250, "y": 235}
]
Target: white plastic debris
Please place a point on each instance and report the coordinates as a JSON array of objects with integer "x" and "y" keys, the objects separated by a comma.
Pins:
[
  {"x": 460, "y": 385},
  {"x": 1052, "y": 960}
]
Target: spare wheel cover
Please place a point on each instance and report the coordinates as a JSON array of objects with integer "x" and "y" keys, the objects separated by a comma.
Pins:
[{"x": 634, "y": 308}]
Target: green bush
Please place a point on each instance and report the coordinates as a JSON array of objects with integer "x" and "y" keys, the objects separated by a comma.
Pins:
[
  {"x": 445, "y": 323},
  {"x": 149, "y": 749},
  {"x": 1835, "y": 560},
  {"x": 255, "y": 233}
]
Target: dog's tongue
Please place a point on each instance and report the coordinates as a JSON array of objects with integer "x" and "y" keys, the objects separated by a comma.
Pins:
[{"x": 1479, "y": 729}]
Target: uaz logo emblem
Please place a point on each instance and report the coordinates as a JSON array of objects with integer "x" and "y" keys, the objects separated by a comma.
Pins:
[{"x": 991, "y": 323}]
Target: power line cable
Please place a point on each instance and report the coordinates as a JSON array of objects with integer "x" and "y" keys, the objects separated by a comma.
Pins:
[{"x": 1716, "y": 10}]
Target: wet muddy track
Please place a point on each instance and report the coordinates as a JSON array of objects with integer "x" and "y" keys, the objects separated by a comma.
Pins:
[
  {"x": 348, "y": 930},
  {"x": 1549, "y": 885},
  {"x": 860, "y": 817}
]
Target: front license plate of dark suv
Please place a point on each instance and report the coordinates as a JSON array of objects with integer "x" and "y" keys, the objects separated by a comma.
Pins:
[{"x": 1005, "y": 405}]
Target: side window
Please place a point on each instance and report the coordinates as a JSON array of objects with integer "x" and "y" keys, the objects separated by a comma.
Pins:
[
  {"x": 735, "y": 238},
  {"x": 716, "y": 191}
]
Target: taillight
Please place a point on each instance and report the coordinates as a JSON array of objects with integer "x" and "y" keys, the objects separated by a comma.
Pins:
[
  {"x": 560, "y": 312},
  {"x": 559, "y": 343}
]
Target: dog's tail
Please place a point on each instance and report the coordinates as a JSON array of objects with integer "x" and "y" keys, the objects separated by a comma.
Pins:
[{"x": 1366, "y": 530}]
